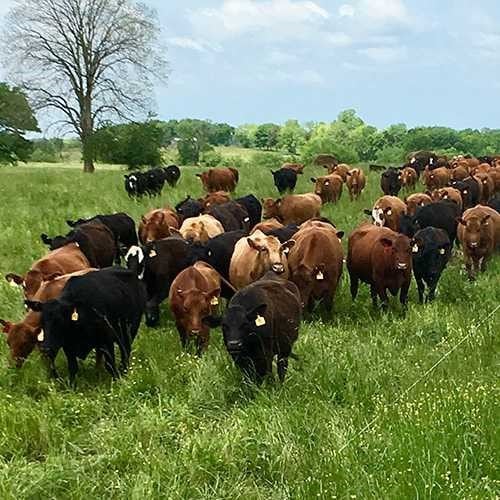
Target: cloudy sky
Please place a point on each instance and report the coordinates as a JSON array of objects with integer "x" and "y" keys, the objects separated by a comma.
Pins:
[{"x": 413, "y": 61}]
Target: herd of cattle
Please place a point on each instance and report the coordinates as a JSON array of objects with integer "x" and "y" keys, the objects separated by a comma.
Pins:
[{"x": 271, "y": 259}]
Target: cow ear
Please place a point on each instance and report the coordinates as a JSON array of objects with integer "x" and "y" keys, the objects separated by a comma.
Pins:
[
  {"x": 14, "y": 278},
  {"x": 198, "y": 175},
  {"x": 34, "y": 305},
  {"x": 386, "y": 242},
  {"x": 257, "y": 311},
  {"x": 252, "y": 244},
  {"x": 428, "y": 193},
  {"x": 174, "y": 231},
  {"x": 287, "y": 246},
  {"x": 212, "y": 321},
  {"x": 367, "y": 212},
  {"x": 45, "y": 239},
  {"x": 213, "y": 294},
  {"x": 143, "y": 219},
  {"x": 485, "y": 219},
  {"x": 348, "y": 173},
  {"x": 340, "y": 234},
  {"x": 70, "y": 223},
  {"x": 52, "y": 276},
  {"x": 313, "y": 179},
  {"x": 7, "y": 326},
  {"x": 461, "y": 221}
]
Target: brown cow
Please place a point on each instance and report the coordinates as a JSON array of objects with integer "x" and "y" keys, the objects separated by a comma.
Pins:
[
  {"x": 447, "y": 193},
  {"x": 387, "y": 211},
  {"x": 409, "y": 177},
  {"x": 219, "y": 179},
  {"x": 328, "y": 187},
  {"x": 479, "y": 234},
  {"x": 494, "y": 173},
  {"x": 341, "y": 170},
  {"x": 22, "y": 337},
  {"x": 482, "y": 168},
  {"x": 296, "y": 167},
  {"x": 326, "y": 160},
  {"x": 194, "y": 295},
  {"x": 292, "y": 209},
  {"x": 267, "y": 226},
  {"x": 487, "y": 186},
  {"x": 356, "y": 182},
  {"x": 381, "y": 258},
  {"x": 158, "y": 224},
  {"x": 201, "y": 228},
  {"x": 64, "y": 260},
  {"x": 459, "y": 173},
  {"x": 416, "y": 200},
  {"x": 437, "y": 178},
  {"x": 254, "y": 255},
  {"x": 215, "y": 198},
  {"x": 315, "y": 263}
]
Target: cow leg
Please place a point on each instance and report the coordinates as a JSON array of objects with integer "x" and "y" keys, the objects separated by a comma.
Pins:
[
  {"x": 421, "y": 289},
  {"x": 72, "y": 367},
  {"x": 374, "y": 296},
  {"x": 469, "y": 265},
  {"x": 109, "y": 360},
  {"x": 382, "y": 293},
  {"x": 99, "y": 359},
  {"x": 282, "y": 368},
  {"x": 483, "y": 263},
  {"x": 403, "y": 294},
  {"x": 182, "y": 335},
  {"x": 432, "y": 293},
  {"x": 354, "y": 286}
]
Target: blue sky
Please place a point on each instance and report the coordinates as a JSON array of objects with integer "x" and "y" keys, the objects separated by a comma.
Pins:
[{"x": 413, "y": 61}]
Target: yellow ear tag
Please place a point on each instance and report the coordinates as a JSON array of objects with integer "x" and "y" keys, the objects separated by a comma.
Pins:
[
  {"x": 74, "y": 316},
  {"x": 415, "y": 248},
  {"x": 320, "y": 276},
  {"x": 40, "y": 336},
  {"x": 153, "y": 253},
  {"x": 442, "y": 251},
  {"x": 214, "y": 301},
  {"x": 260, "y": 321}
]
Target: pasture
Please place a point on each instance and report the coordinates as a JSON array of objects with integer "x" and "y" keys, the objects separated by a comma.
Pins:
[{"x": 178, "y": 426}]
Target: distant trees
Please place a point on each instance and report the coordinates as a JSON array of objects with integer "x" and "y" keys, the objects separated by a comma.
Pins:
[
  {"x": 267, "y": 136},
  {"x": 16, "y": 118},
  {"x": 291, "y": 136}
]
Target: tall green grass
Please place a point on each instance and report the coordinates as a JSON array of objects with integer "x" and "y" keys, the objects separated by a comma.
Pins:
[{"x": 181, "y": 427}]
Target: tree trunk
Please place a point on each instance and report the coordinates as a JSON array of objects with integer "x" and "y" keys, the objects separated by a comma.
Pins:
[
  {"x": 88, "y": 155},
  {"x": 87, "y": 136}
]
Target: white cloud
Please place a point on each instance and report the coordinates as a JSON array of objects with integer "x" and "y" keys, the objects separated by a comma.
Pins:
[
  {"x": 346, "y": 10},
  {"x": 306, "y": 77},
  {"x": 186, "y": 43},
  {"x": 377, "y": 11},
  {"x": 385, "y": 55},
  {"x": 277, "y": 18},
  {"x": 339, "y": 39}
]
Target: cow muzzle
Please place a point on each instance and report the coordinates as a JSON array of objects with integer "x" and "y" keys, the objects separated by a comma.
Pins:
[
  {"x": 473, "y": 244},
  {"x": 278, "y": 268},
  {"x": 401, "y": 266}
]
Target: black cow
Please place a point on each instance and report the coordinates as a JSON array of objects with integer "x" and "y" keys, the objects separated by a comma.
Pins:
[
  {"x": 284, "y": 233},
  {"x": 494, "y": 203},
  {"x": 172, "y": 174},
  {"x": 94, "y": 311},
  {"x": 431, "y": 251},
  {"x": 231, "y": 215},
  {"x": 470, "y": 190},
  {"x": 421, "y": 159},
  {"x": 120, "y": 224},
  {"x": 253, "y": 207},
  {"x": 262, "y": 321},
  {"x": 95, "y": 240},
  {"x": 155, "y": 181},
  {"x": 390, "y": 182},
  {"x": 285, "y": 180},
  {"x": 157, "y": 264},
  {"x": 189, "y": 207},
  {"x": 441, "y": 214},
  {"x": 136, "y": 184}
]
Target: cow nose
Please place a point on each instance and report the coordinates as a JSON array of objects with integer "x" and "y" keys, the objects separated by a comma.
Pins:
[
  {"x": 278, "y": 268},
  {"x": 473, "y": 244},
  {"x": 234, "y": 344},
  {"x": 195, "y": 332},
  {"x": 402, "y": 265}
]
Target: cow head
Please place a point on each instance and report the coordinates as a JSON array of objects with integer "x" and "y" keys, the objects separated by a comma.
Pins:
[
  {"x": 271, "y": 208},
  {"x": 195, "y": 231},
  {"x": 271, "y": 253},
  {"x": 135, "y": 260},
  {"x": 21, "y": 337},
  {"x": 477, "y": 229},
  {"x": 431, "y": 250},
  {"x": 154, "y": 227},
  {"x": 398, "y": 251}
]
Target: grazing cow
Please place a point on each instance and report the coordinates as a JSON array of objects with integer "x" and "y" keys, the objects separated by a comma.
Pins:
[
  {"x": 94, "y": 311},
  {"x": 459, "y": 173},
  {"x": 431, "y": 251},
  {"x": 448, "y": 193},
  {"x": 381, "y": 258},
  {"x": 409, "y": 177},
  {"x": 341, "y": 170},
  {"x": 298, "y": 168},
  {"x": 194, "y": 296},
  {"x": 293, "y": 209},
  {"x": 262, "y": 322},
  {"x": 215, "y": 198},
  {"x": 315, "y": 263},
  {"x": 120, "y": 224},
  {"x": 390, "y": 182},
  {"x": 470, "y": 190},
  {"x": 231, "y": 215},
  {"x": 157, "y": 224},
  {"x": 189, "y": 207},
  {"x": 172, "y": 174},
  {"x": 328, "y": 187},
  {"x": 219, "y": 179},
  {"x": 387, "y": 212},
  {"x": 65, "y": 260},
  {"x": 416, "y": 200},
  {"x": 437, "y": 178},
  {"x": 440, "y": 214},
  {"x": 285, "y": 180},
  {"x": 256, "y": 254},
  {"x": 487, "y": 186},
  {"x": 201, "y": 228},
  {"x": 252, "y": 206},
  {"x": 157, "y": 264},
  {"x": 356, "y": 182},
  {"x": 22, "y": 337},
  {"x": 479, "y": 234},
  {"x": 95, "y": 240}
]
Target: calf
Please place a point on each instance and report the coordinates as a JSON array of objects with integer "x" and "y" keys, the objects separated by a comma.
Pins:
[
  {"x": 194, "y": 296},
  {"x": 293, "y": 209},
  {"x": 437, "y": 178},
  {"x": 253, "y": 206},
  {"x": 390, "y": 183},
  {"x": 387, "y": 212},
  {"x": 409, "y": 177},
  {"x": 448, "y": 193},
  {"x": 65, "y": 260},
  {"x": 253, "y": 256},
  {"x": 328, "y": 187},
  {"x": 201, "y": 228},
  {"x": 219, "y": 179},
  {"x": 157, "y": 224},
  {"x": 479, "y": 234},
  {"x": 414, "y": 201},
  {"x": 157, "y": 264},
  {"x": 315, "y": 263},
  {"x": 189, "y": 207},
  {"x": 285, "y": 180},
  {"x": 262, "y": 322},
  {"x": 94, "y": 311},
  {"x": 431, "y": 251},
  {"x": 470, "y": 190},
  {"x": 356, "y": 182},
  {"x": 215, "y": 198},
  {"x": 381, "y": 258}
]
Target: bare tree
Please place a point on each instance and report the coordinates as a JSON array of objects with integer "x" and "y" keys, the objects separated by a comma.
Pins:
[{"x": 84, "y": 61}]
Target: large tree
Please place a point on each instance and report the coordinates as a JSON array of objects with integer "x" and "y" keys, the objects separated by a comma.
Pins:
[{"x": 86, "y": 60}]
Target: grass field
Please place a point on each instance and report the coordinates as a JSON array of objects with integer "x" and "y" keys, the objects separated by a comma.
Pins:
[{"x": 180, "y": 427}]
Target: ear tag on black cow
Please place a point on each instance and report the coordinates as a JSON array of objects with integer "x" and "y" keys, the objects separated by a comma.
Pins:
[
  {"x": 40, "y": 336},
  {"x": 442, "y": 251},
  {"x": 246, "y": 219},
  {"x": 320, "y": 276},
  {"x": 260, "y": 320},
  {"x": 153, "y": 253},
  {"x": 214, "y": 301},
  {"x": 415, "y": 248},
  {"x": 74, "y": 316}
]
